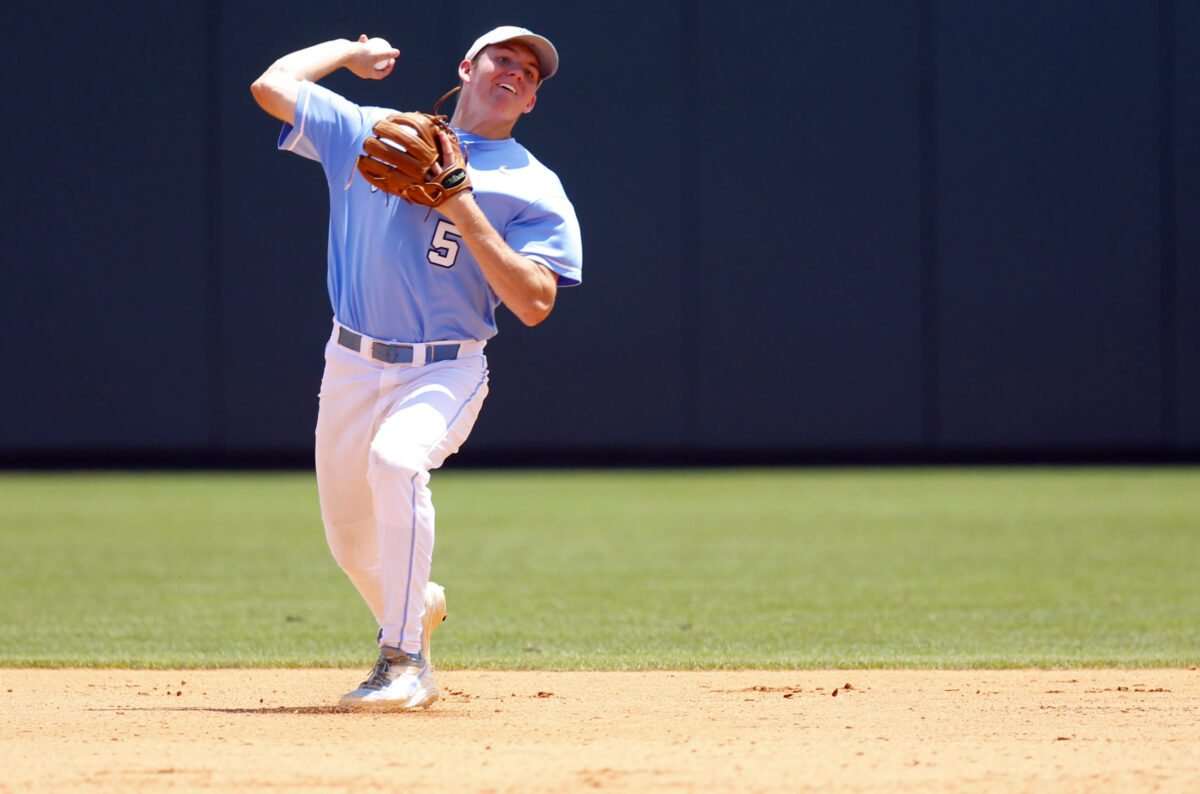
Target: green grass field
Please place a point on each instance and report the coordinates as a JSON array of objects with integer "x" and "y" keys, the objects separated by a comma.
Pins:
[{"x": 630, "y": 569}]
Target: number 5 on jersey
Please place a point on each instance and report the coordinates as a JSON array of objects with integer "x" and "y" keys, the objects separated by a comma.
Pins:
[{"x": 444, "y": 248}]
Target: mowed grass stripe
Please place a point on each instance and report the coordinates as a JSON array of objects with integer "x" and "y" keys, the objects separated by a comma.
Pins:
[{"x": 625, "y": 569}]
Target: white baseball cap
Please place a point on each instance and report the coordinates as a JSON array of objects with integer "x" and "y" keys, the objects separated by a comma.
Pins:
[{"x": 546, "y": 54}]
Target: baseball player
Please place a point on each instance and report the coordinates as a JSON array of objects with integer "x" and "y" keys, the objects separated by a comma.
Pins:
[{"x": 414, "y": 292}]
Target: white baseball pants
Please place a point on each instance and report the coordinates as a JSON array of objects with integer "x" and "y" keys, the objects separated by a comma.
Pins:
[{"x": 381, "y": 428}]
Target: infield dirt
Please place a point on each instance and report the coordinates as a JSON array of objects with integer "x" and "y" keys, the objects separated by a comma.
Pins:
[{"x": 745, "y": 731}]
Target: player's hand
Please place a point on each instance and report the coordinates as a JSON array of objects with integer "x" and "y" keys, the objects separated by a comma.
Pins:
[
  {"x": 447, "y": 159},
  {"x": 447, "y": 156},
  {"x": 372, "y": 59},
  {"x": 452, "y": 206}
]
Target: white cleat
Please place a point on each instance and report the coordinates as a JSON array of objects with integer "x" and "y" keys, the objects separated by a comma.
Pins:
[
  {"x": 435, "y": 613},
  {"x": 397, "y": 683},
  {"x": 400, "y": 681}
]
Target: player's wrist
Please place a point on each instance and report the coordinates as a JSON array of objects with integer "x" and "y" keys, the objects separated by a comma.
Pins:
[{"x": 457, "y": 206}]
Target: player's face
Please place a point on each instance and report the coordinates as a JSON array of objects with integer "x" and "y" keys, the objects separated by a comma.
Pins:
[{"x": 504, "y": 79}]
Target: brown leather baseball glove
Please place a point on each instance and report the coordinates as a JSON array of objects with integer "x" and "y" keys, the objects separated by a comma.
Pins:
[{"x": 401, "y": 155}]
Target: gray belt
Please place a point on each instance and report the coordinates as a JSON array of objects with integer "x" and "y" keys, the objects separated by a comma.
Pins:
[{"x": 397, "y": 353}]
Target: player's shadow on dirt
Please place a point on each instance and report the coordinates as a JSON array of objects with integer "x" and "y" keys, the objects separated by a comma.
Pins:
[{"x": 272, "y": 710}]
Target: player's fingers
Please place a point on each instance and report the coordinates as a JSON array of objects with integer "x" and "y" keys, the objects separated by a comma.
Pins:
[
  {"x": 362, "y": 37},
  {"x": 444, "y": 148},
  {"x": 386, "y": 55}
]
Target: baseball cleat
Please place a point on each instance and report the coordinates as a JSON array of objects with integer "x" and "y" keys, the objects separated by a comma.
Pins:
[
  {"x": 435, "y": 613},
  {"x": 399, "y": 682}
]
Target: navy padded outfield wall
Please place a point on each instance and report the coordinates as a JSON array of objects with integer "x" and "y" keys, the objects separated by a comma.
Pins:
[{"x": 825, "y": 231}]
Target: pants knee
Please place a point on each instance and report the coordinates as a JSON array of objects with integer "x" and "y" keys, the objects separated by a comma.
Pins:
[
  {"x": 354, "y": 547},
  {"x": 391, "y": 465}
]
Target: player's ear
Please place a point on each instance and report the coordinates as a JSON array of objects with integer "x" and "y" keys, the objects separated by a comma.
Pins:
[
  {"x": 464, "y": 71},
  {"x": 532, "y": 102}
]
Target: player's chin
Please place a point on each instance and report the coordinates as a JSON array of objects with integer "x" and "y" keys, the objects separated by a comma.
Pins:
[{"x": 505, "y": 109}]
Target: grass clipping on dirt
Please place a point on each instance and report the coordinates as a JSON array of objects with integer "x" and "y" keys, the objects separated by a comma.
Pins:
[{"x": 622, "y": 570}]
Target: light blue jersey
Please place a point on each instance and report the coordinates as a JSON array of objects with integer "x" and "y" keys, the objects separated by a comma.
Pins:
[{"x": 398, "y": 275}]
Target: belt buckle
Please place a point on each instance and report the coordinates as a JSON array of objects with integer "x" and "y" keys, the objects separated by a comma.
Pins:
[{"x": 391, "y": 354}]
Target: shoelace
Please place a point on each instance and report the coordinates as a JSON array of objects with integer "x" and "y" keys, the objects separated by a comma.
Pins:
[
  {"x": 381, "y": 674},
  {"x": 378, "y": 678}
]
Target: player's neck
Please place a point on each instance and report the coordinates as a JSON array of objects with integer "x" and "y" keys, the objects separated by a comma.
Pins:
[{"x": 491, "y": 128}]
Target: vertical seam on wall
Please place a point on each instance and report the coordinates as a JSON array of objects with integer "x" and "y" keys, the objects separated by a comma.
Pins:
[
  {"x": 1168, "y": 262},
  {"x": 214, "y": 361},
  {"x": 929, "y": 293}
]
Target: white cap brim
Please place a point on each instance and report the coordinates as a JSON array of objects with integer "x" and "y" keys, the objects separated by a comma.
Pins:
[{"x": 546, "y": 54}]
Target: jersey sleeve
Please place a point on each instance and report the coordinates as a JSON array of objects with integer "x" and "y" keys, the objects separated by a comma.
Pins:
[
  {"x": 328, "y": 128},
  {"x": 547, "y": 231}
]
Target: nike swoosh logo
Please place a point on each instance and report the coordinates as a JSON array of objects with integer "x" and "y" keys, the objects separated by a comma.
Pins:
[{"x": 505, "y": 170}]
